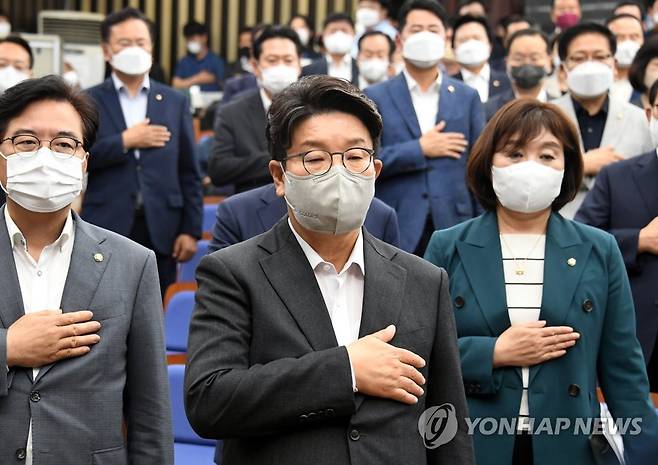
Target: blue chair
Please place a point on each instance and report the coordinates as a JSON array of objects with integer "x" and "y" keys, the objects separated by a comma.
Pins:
[
  {"x": 189, "y": 448},
  {"x": 186, "y": 270},
  {"x": 209, "y": 215},
  {"x": 177, "y": 321}
]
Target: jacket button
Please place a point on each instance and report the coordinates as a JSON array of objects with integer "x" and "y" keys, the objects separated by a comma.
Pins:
[
  {"x": 35, "y": 396},
  {"x": 20, "y": 454},
  {"x": 424, "y": 195},
  {"x": 459, "y": 301},
  {"x": 574, "y": 390},
  {"x": 588, "y": 305},
  {"x": 354, "y": 435}
]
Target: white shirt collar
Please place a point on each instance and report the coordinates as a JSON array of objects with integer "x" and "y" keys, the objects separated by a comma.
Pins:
[
  {"x": 118, "y": 84},
  {"x": 346, "y": 61},
  {"x": 17, "y": 238},
  {"x": 484, "y": 74},
  {"x": 315, "y": 260},
  {"x": 265, "y": 99},
  {"x": 414, "y": 86}
]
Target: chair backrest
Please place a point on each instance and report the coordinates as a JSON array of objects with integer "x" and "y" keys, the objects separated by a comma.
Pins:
[
  {"x": 209, "y": 215},
  {"x": 183, "y": 432},
  {"x": 177, "y": 320},
  {"x": 186, "y": 270}
]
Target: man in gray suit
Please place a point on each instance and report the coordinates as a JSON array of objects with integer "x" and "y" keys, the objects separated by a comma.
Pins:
[
  {"x": 82, "y": 367},
  {"x": 315, "y": 342},
  {"x": 610, "y": 129}
]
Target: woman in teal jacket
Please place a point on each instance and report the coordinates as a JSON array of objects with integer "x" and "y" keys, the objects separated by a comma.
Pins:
[{"x": 543, "y": 306}]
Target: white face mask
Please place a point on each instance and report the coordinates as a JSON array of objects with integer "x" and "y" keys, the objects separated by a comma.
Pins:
[
  {"x": 304, "y": 35},
  {"x": 43, "y": 182},
  {"x": 590, "y": 79},
  {"x": 336, "y": 202},
  {"x": 367, "y": 17},
  {"x": 132, "y": 61},
  {"x": 5, "y": 29},
  {"x": 276, "y": 78},
  {"x": 472, "y": 52},
  {"x": 71, "y": 77},
  {"x": 10, "y": 76},
  {"x": 653, "y": 128},
  {"x": 526, "y": 187},
  {"x": 339, "y": 43},
  {"x": 373, "y": 69},
  {"x": 194, "y": 47},
  {"x": 626, "y": 51},
  {"x": 424, "y": 49}
]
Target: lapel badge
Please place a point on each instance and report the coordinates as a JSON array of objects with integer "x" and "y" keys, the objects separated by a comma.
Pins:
[
  {"x": 620, "y": 116},
  {"x": 451, "y": 88},
  {"x": 496, "y": 83},
  {"x": 571, "y": 262},
  {"x": 158, "y": 97},
  {"x": 98, "y": 257}
]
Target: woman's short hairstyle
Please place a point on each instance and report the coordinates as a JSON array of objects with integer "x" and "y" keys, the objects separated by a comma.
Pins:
[
  {"x": 638, "y": 68},
  {"x": 515, "y": 124}
]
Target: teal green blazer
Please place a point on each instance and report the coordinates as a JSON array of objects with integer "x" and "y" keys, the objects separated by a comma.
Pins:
[{"x": 593, "y": 297}]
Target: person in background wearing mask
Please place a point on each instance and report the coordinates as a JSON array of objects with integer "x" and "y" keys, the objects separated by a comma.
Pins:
[
  {"x": 651, "y": 17},
  {"x": 337, "y": 40},
  {"x": 239, "y": 153},
  {"x": 16, "y": 61},
  {"x": 317, "y": 304},
  {"x": 624, "y": 202},
  {"x": 543, "y": 307},
  {"x": 143, "y": 176},
  {"x": 242, "y": 65},
  {"x": 644, "y": 70},
  {"x": 565, "y": 14},
  {"x": 200, "y": 66},
  {"x": 515, "y": 23},
  {"x": 471, "y": 42},
  {"x": 81, "y": 333},
  {"x": 372, "y": 15},
  {"x": 528, "y": 62},
  {"x": 471, "y": 8},
  {"x": 5, "y": 25},
  {"x": 430, "y": 122},
  {"x": 629, "y": 34},
  {"x": 610, "y": 129},
  {"x": 305, "y": 29},
  {"x": 375, "y": 54},
  {"x": 247, "y": 81}
]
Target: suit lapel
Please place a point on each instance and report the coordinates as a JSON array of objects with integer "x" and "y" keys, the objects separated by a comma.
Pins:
[
  {"x": 10, "y": 289},
  {"x": 111, "y": 102},
  {"x": 272, "y": 209},
  {"x": 156, "y": 104},
  {"x": 448, "y": 106},
  {"x": 85, "y": 273},
  {"x": 257, "y": 118},
  {"x": 290, "y": 274},
  {"x": 355, "y": 73},
  {"x": 614, "y": 124},
  {"x": 399, "y": 92},
  {"x": 561, "y": 279},
  {"x": 645, "y": 175},
  {"x": 566, "y": 104}
]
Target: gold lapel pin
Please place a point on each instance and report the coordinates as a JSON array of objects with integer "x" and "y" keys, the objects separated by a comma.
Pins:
[
  {"x": 451, "y": 88},
  {"x": 158, "y": 97},
  {"x": 496, "y": 83},
  {"x": 98, "y": 257},
  {"x": 571, "y": 262}
]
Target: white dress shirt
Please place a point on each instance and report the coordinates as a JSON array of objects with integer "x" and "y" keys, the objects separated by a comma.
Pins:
[
  {"x": 426, "y": 104},
  {"x": 133, "y": 108},
  {"x": 479, "y": 81},
  {"x": 267, "y": 102},
  {"x": 42, "y": 282},
  {"x": 342, "y": 70}
]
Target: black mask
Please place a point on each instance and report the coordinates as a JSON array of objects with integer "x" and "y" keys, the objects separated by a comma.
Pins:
[
  {"x": 527, "y": 76},
  {"x": 244, "y": 52}
]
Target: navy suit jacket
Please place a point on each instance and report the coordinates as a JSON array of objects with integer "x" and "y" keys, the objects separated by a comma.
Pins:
[
  {"x": 167, "y": 178},
  {"x": 624, "y": 200},
  {"x": 411, "y": 183},
  {"x": 321, "y": 66},
  {"x": 498, "y": 82},
  {"x": 237, "y": 85},
  {"x": 250, "y": 213},
  {"x": 497, "y": 102}
]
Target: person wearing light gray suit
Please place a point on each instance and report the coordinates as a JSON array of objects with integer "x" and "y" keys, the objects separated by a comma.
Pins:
[{"x": 83, "y": 375}]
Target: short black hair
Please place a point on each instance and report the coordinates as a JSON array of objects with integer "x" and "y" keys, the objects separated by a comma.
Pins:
[
  {"x": 307, "y": 20},
  {"x": 638, "y": 68},
  {"x": 432, "y": 6},
  {"x": 316, "y": 95},
  {"x": 467, "y": 19},
  {"x": 16, "y": 99},
  {"x": 338, "y": 18},
  {"x": 572, "y": 33},
  {"x": 124, "y": 15},
  {"x": 463, "y": 3},
  {"x": 14, "y": 39},
  {"x": 391, "y": 44},
  {"x": 511, "y": 19},
  {"x": 245, "y": 30},
  {"x": 194, "y": 28},
  {"x": 631, "y": 3},
  {"x": 614, "y": 18},
  {"x": 653, "y": 93},
  {"x": 275, "y": 32},
  {"x": 553, "y": 3},
  {"x": 384, "y": 3},
  {"x": 529, "y": 32}
]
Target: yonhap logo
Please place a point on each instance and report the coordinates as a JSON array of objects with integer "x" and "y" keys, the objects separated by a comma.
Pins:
[{"x": 438, "y": 425}]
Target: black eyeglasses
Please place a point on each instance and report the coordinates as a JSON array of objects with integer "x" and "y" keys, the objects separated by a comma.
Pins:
[
  {"x": 26, "y": 145},
  {"x": 318, "y": 162}
]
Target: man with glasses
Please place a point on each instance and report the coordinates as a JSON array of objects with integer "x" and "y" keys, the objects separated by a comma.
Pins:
[
  {"x": 315, "y": 342},
  {"x": 82, "y": 370},
  {"x": 610, "y": 129}
]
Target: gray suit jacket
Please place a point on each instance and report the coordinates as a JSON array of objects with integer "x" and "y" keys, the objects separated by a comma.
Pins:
[
  {"x": 78, "y": 406},
  {"x": 265, "y": 372},
  {"x": 626, "y": 129}
]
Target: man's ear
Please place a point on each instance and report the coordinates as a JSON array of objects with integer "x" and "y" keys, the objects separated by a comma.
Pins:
[
  {"x": 107, "y": 52},
  {"x": 255, "y": 67},
  {"x": 378, "y": 167},
  {"x": 276, "y": 171}
]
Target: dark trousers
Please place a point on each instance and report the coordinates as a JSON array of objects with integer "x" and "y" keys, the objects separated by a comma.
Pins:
[
  {"x": 428, "y": 230},
  {"x": 652, "y": 368},
  {"x": 523, "y": 449},
  {"x": 166, "y": 264}
]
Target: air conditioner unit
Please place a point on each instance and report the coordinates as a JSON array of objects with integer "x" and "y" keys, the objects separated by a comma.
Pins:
[
  {"x": 47, "y": 51},
  {"x": 80, "y": 36}
]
